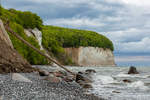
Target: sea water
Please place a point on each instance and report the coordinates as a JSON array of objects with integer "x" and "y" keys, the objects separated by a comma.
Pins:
[{"x": 108, "y": 83}]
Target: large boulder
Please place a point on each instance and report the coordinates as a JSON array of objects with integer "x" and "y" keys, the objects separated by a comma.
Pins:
[
  {"x": 133, "y": 70},
  {"x": 10, "y": 60}
]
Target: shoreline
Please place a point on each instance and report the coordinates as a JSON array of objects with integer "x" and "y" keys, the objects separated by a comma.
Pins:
[{"x": 40, "y": 89}]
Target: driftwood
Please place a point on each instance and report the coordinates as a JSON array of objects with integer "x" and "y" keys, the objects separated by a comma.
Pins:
[{"x": 37, "y": 50}]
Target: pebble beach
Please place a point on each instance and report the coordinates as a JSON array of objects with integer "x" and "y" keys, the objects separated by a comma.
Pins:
[{"x": 31, "y": 86}]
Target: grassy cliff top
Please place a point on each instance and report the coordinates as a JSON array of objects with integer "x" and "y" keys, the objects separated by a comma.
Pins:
[{"x": 67, "y": 37}]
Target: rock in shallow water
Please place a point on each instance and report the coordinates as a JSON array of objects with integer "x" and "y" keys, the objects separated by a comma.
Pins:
[
  {"x": 83, "y": 77},
  {"x": 126, "y": 81},
  {"x": 83, "y": 80},
  {"x": 133, "y": 70},
  {"x": 90, "y": 71}
]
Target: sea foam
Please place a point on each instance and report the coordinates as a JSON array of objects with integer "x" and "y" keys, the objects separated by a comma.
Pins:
[{"x": 138, "y": 84}]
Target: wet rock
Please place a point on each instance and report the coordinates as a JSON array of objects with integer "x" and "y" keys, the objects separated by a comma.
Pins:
[
  {"x": 116, "y": 92},
  {"x": 84, "y": 84},
  {"x": 83, "y": 77},
  {"x": 133, "y": 70},
  {"x": 80, "y": 72},
  {"x": 87, "y": 86},
  {"x": 126, "y": 81},
  {"x": 69, "y": 78},
  {"x": 43, "y": 73},
  {"x": 90, "y": 71}
]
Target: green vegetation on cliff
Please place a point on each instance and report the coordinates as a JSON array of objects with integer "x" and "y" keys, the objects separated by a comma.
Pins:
[
  {"x": 18, "y": 21},
  {"x": 0, "y": 10},
  {"x": 54, "y": 38},
  {"x": 65, "y": 37}
]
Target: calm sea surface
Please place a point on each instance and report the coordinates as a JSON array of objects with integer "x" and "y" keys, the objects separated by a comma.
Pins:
[{"x": 108, "y": 83}]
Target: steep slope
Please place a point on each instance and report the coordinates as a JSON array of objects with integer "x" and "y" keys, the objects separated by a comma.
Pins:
[
  {"x": 10, "y": 60},
  {"x": 18, "y": 22}
]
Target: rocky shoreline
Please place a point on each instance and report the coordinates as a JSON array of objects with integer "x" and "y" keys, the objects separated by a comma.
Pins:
[
  {"x": 20, "y": 81},
  {"x": 34, "y": 87}
]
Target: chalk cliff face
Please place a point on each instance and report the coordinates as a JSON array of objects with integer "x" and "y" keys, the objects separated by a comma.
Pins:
[
  {"x": 91, "y": 56},
  {"x": 36, "y": 33}
]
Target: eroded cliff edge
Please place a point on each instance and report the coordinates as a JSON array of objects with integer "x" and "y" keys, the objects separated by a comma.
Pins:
[
  {"x": 10, "y": 60},
  {"x": 91, "y": 56}
]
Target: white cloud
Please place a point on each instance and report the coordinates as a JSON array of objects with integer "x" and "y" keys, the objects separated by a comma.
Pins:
[
  {"x": 141, "y": 3},
  {"x": 76, "y": 22},
  {"x": 64, "y": 2},
  {"x": 142, "y": 46},
  {"x": 131, "y": 34}
]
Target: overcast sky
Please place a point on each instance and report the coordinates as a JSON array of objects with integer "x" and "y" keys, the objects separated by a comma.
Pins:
[{"x": 125, "y": 22}]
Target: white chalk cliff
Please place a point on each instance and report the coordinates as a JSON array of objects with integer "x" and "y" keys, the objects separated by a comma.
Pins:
[
  {"x": 91, "y": 56},
  {"x": 36, "y": 33},
  {"x": 82, "y": 56}
]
